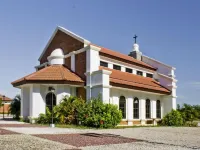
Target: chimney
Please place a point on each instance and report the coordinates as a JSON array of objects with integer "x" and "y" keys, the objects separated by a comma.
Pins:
[{"x": 136, "y": 52}]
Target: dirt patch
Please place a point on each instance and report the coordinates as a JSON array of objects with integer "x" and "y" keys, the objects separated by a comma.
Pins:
[
  {"x": 87, "y": 139},
  {"x": 5, "y": 132}
]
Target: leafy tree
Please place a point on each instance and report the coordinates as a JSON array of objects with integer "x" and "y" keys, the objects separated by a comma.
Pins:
[
  {"x": 173, "y": 118},
  {"x": 189, "y": 112},
  {"x": 14, "y": 108}
]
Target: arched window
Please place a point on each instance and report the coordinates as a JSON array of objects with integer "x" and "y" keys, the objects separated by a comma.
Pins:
[
  {"x": 49, "y": 98},
  {"x": 122, "y": 106},
  {"x": 136, "y": 108},
  {"x": 158, "y": 109},
  {"x": 148, "y": 109}
]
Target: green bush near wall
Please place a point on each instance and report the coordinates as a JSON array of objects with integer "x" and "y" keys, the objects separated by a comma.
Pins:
[{"x": 73, "y": 110}]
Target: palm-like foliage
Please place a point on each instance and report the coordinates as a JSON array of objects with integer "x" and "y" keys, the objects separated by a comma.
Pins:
[
  {"x": 14, "y": 108},
  {"x": 66, "y": 111}
]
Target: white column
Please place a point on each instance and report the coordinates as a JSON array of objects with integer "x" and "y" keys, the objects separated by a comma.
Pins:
[
  {"x": 73, "y": 62},
  {"x": 130, "y": 111},
  {"x": 123, "y": 69},
  {"x": 37, "y": 104},
  {"x": 25, "y": 101},
  {"x": 142, "y": 111},
  {"x": 110, "y": 65},
  {"x": 21, "y": 109},
  {"x": 92, "y": 64},
  {"x": 61, "y": 92},
  {"x": 153, "y": 108}
]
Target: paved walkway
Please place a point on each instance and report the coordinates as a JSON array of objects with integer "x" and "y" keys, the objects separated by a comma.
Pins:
[{"x": 18, "y": 135}]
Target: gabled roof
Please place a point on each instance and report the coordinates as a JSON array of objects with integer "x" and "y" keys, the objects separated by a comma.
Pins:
[
  {"x": 55, "y": 74},
  {"x": 6, "y": 98},
  {"x": 123, "y": 57},
  {"x": 79, "y": 38},
  {"x": 131, "y": 81}
]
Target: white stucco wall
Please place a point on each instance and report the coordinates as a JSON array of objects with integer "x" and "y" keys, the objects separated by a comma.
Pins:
[
  {"x": 142, "y": 96},
  {"x": 25, "y": 101}
]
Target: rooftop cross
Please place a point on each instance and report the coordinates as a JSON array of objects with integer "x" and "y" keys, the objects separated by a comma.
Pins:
[{"x": 135, "y": 37}]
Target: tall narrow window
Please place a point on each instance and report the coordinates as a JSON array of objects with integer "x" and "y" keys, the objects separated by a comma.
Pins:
[
  {"x": 50, "y": 97},
  {"x": 122, "y": 106},
  {"x": 136, "y": 108},
  {"x": 116, "y": 67},
  {"x": 158, "y": 109},
  {"x": 104, "y": 64},
  {"x": 148, "y": 109}
]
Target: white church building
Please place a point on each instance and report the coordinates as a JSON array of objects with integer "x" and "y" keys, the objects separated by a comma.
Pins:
[{"x": 143, "y": 88}]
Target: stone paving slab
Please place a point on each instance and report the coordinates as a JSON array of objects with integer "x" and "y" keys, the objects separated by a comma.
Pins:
[{"x": 87, "y": 139}]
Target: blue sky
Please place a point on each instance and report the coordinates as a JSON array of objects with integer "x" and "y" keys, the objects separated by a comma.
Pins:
[{"x": 168, "y": 31}]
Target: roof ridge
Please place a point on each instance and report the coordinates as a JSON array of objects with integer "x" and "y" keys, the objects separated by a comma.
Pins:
[
  {"x": 135, "y": 60},
  {"x": 61, "y": 72}
]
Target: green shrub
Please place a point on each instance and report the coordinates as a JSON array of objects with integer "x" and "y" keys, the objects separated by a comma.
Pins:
[
  {"x": 99, "y": 115},
  {"x": 45, "y": 118},
  {"x": 173, "y": 118},
  {"x": 14, "y": 107},
  {"x": 67, "y": 111},
  {"x": 191, "y": 124}
]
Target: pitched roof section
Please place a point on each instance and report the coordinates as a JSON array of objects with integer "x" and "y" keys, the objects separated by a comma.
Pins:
[
  {"x": 131, "y": 81},
  {"x": 55, "y": 74},
  {"x": 6, "y": 98},
  {"x": 123, "y": 57},
  {"x": 79, "y": 38}
]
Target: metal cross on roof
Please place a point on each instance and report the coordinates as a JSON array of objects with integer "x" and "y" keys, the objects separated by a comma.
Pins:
[{"x": 135, "y": 37}]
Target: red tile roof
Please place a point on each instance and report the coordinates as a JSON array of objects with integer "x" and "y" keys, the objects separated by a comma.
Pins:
[
  {"x": 5, "y": 99},
  {"x": 122, "y": 57},
  {"x": 52, "y": 74},
  {"x": 128, "y": 80}
]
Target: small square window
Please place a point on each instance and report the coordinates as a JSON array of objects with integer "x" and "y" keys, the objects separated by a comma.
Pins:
[
  {"x": 140, "y": 73},
  {"x": 104, "y": 64},
  {"x": 149, "y": 75},
  {"x": 129, "y": 70},
  {"x": 116, "y": 67}
]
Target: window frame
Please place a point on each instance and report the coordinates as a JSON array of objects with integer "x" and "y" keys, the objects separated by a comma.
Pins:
[
  {"x": 136, "y": 109},
  {"x": 103, "y": 62},
  {"x": 148, "y": 108},
  {"x": 147, "y": 75},
  {"x": 158, "y": 110},
  {"x": 131, "y": 70},
  {"x": 117, "y": 66},
  {"x": 137, "y": 72},
  {"x": 123, "y": 108}
]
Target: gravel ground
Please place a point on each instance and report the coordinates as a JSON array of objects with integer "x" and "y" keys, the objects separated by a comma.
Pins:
[
  {"x": 135, "y": 146},
  {"x": 152, "y": 137},
  {"x": 88, "y": 139},
  {"x": 27, "y": 142},
  {"x": 186, "y": 137}
]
